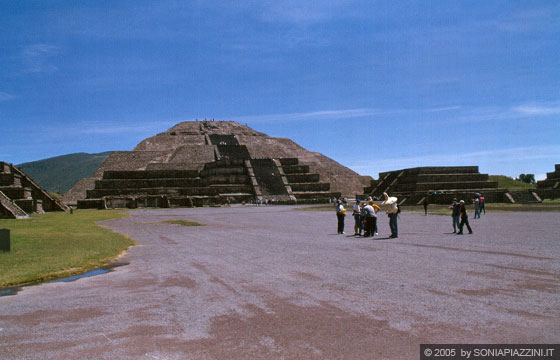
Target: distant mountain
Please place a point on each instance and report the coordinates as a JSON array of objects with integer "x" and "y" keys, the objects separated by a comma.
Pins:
[{"x": 58, "y": 174}]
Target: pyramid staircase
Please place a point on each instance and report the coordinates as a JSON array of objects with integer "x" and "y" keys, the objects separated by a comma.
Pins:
[{"x": 232, "y": 179}]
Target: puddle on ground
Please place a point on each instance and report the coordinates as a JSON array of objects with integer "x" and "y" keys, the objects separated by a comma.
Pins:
[
  {"x": 76, "y": 277},
  {"x": 9, "y": 291},
  {"x": 103, "y": 270}
]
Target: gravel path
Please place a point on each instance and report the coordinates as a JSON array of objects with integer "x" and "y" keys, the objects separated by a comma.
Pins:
[{"x": 279, "y": 283}]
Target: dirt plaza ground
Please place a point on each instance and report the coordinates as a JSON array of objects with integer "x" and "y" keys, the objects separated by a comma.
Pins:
[{"x": 279, "y": 283}]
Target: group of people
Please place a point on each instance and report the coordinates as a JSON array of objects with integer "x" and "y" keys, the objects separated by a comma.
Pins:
[
  {"x": 365, "y": 216},
  {"x": 260, "y": 202},
  {"x": 460, "y": 216},
  {"x": 479, "y": 206}
]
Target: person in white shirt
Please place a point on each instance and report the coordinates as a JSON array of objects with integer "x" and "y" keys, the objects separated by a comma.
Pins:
[{"x": 393, "y": 214}]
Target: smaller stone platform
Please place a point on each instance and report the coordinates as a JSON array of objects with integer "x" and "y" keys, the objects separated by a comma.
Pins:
[
  {"x": 20, "y": 195},
  {"x": 552, "y": 180},
  {"x": 413, "y": 185},
  {"x": 550, "y": 187}
]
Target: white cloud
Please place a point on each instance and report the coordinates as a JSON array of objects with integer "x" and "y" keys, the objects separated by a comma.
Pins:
[
  {"x": 304, "y": 12},
  {"x": 36, "y": 58},
  {"x": 312, "y": 115},
  {"x": 535, "y": 19},
  {"x": 6, "y": 97},
  {"x": 448, "y": 108},
  {"x": 537, "y": 110},
  {"x": 96, "y": 128},
  {"x": 460, "y": 114},
  {"x": 540, "y": 176}
]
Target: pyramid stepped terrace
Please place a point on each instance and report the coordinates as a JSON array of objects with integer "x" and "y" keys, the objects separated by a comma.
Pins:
[
  {"x": 413, "y": 185},
  {"x": 214, "y": 162}
]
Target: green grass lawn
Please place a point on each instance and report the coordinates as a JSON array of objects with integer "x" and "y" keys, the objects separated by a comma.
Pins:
[
  {"x": 58, "y": 244},
  {"x": 505, "y": 182}
]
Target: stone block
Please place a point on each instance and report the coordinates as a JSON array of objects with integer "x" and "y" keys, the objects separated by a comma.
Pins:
[
  {"x": 16, "y": 192},
  {"x": 289, "y": 161},
  {"x": 145, "y": 183},
  {"x": 99, "y": 193},
  {"x": 315, "y": 195},
  {"x": 224, "y": 179},
  {"x": 302, "y": 178},
  {"x": 4, "y": 239},
  {"x": 91, "y": 204},
  {"x": 30, "y": 205},
  {"x": 237, "y": 170},
  {"x": 149, "y": 174},
  {"x": 5, "y": 167},
  {"x": 10, "y": 179},
  {"x": 295, "y": 169},
  {"x": 225, "y": 163},
  {"x": 193, "y": 153},
  {"x": 310, "y": 186}
]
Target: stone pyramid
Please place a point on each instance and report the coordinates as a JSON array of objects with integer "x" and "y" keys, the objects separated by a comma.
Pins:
[{"x": 205, "y": 162}]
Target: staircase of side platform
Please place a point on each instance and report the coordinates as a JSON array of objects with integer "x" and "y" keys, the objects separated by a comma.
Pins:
[
  {"x": 48, "y": 203},
  {"x": 9, "y": 209},
  {"x": 525, "y": 196},
  {"x": 387, "y": 180},
  {"x": 23, "y": 194}
]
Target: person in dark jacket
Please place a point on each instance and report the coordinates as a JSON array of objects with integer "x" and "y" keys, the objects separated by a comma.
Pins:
[
  {"x": 455, "y": 215},
  {"x": 464, "y": 218}
]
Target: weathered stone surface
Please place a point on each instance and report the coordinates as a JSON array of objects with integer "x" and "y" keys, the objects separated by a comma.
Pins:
[
  {"x": 218, "y": 152},
  {"x": 413, "y": 185},
  {"x": 552, "y": 180},
  {"x": 20, "y": 195}
]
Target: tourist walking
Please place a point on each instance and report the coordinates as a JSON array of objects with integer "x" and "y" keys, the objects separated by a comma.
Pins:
[
  {"x": 340, "y": 215},
  {"x": 455, "y": 214},
  {"x": 357, "y": 213},
  {"x": 425, "y": 203},
  {"x": 476, "y": 208},
  {"x": 464, "y": 218},
  {"x": 482, "y": 205}
]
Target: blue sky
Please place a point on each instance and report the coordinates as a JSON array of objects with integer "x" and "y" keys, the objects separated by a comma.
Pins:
[{"x": 375, "y": 85}]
